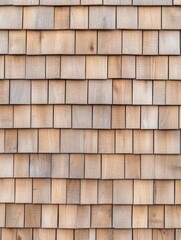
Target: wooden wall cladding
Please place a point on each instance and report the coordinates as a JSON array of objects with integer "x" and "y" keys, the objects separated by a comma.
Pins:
[{"x": 90, "y": 106}]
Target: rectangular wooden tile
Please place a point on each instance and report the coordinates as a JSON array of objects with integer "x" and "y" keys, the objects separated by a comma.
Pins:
[
  {"x": 122, "y": 192},
  {"x": 40, "y": 165},
  {"x": 156, "y": 216},
  {"x": 78, "y": 141},
  {"x": 127, "y": 17},
  {"x": 17, "y": 42},
  {"x": 49, "y": 140},
  {"x": 100, "y": 92},
  {"x": 38, "y": 17},
  {"x": 101, "y": 216},
  {"x": 14, "y": 67},
  {"x": 143, "y": 192},
  {"x": 49, "y": 216},
  {"x": 58, "y": 188},
  {"x": 106, "y": 141},
  {"x": 39, "y": 91},
  {"x": 27, "y": 141},
  {"x": 14, "y": 215},
  {"x": 86, "y": 42},
  {"x": 11, "y": 17},
  {"x": 109, "y": 42},
  {"x": 73, "y": 67},
  {"x": 101, "y": 117},
  {"x": 122, "y": 216},
  {"x": 96, "y": 67},
  {"x": 53, "y": 67},
  {"x": 56, "y": 91},
  {"x": 140, "y": 215},
  {"x": 61, "y": 17},
  {"x": 79, "y": 17},
  {"x": 78, "y": 86},
  {"x": 150, "y": 18},
  {"x": 23, "y": 191},
  {"x": 81, "y": 116},
  {"x": 112, "y": 166},
  {"x": 41, "y": 190},
  {"x": 124, "y": 141},
  {"x": 102, "y": 17},
  {"x": 42, "y": 116},
  {"x": 74, "y": 216},
  {"x": 132, "y": 42},
  {"x": 167, "y": 142}
]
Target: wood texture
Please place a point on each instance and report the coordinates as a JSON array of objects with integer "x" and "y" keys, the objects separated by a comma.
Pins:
[{"x": 90, "y": 120}]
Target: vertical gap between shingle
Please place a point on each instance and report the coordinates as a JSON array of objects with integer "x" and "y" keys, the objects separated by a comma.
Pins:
[
  {"x": 137, "y": 17},
  {"x": 161, "y": 16},
  {"x": 22, "y": 17},
  {"x": 116, "y": 17}
]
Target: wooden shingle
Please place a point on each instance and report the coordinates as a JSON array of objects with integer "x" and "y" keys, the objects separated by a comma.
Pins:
[
  {"x": 143, "y": 192},
  {"x": 92, "y": 166},
  {"x": 23, "y": 191},
  {"x": 35, "y": 67},
  {"x": 156, "y": 216},
  {"x": 112, "y": 166},
  {"x": 4, "y": 42},
  {"x": 101, "y": 216},
  {"x": 62, "y": 17},
  {"x": 49, "y": 140},
  {"x": 79, "y": 17},
  {"x": 96, "y": 67},
  {"x": 52, "y": 67},
  {"x": 74, "y": 216},
  {"x": 167, "y": 142},
  {"x": 132, "y": 42},
  {"x": 49, "y": 216},
  {"x": 15, "y": 215},
  {"x": 122, "y": 216},
  {"x": 42, "y": 116},
  {"x": 78, "y": 141},
  {"x": 122, "y": 192},
  {"x": 22, "y": 116},
  {"x": 140, "y": 216},
  {"x": 38, "y": 17},
  {"x": 17, "y": 42},
  {"x": 169, "y": 42},
  {"x": 149, "y": 18},
  {"x": 81, "y": 116},
  {"x": 58, "y": 191},
  {"x": 100, "y": 92},
  {"x": 124, "y": 142},
  {"x": 101, "y": 117},
  {"x": 102, "y": 17},
  {"x": 171, "y": 17},
  {"x": 127, "y": 17},
  {"x": 56, "y": 91},
  {"x": 41, "y": 190},
  {"x": 11, "y": 17},
  {"x": 86, "y": 42},
  {"x": 72, "y": 67},
  {"x": 73, "y": 191},
  {"x": 150, "y": 42},
  {"x": 60, "y": 166},
  {"x": 78, "y": 86},
  {"x": 109, "y": 42},
  {"x": 15, "y": 67},
  {"x": 39, "y": 91},
  {"x": 88, "y": 192},
  {"x": 106, "y": 141},
  {"x": 62, "y": 116},
  {"x": 27, "y": 140}
]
